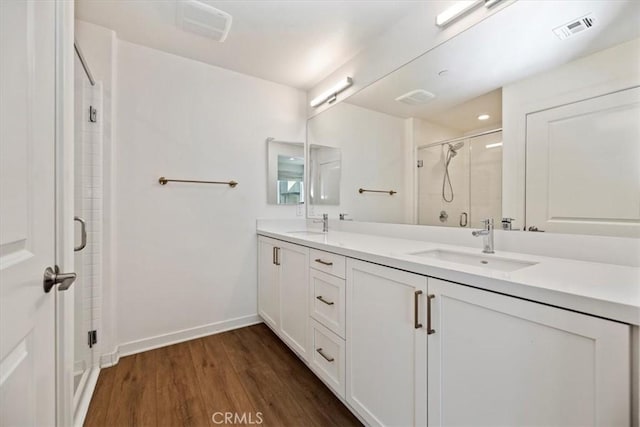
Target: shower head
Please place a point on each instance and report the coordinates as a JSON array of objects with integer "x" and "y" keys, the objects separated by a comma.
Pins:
[{"x": 457, "y": 146}]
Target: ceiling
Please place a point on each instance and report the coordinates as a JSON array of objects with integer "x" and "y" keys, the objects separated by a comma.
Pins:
[
  {"x": 513, "y": 44},
  {"x": 295, "y": 42}
]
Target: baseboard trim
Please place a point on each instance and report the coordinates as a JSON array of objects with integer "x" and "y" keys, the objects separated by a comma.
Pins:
[
  {"x": 146, "y": 344},
  {"x": 87, "y": 393}
]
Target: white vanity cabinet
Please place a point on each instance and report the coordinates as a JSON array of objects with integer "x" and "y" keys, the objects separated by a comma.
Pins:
[
  {"x": 498, "y": 360},
  {"x": 386, "y": 344},
  {"x": 403, "y": 349},
  {"x": 283, "y": 288}
]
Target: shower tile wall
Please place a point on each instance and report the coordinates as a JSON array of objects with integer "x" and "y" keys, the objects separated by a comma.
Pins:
[
  {"x": 89, "y": 205},
  {"x": 431, "y": 203},
  {"x": 476, "y": 178}
]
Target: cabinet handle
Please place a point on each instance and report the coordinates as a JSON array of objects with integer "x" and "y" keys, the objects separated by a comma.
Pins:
[
  {"x": 324, "y": 300},
  {"x": 321, "y": 261},
  {"x": 327, "y": 358},
  {"x": 276, "y": 255},
  {"x": 416, "y": 296},
  {"x": 273, "y": 257},
  {"x": 429, "y": 330}
]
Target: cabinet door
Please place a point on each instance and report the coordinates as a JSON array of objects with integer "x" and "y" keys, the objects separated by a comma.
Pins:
[
  {"x": 294, "y": 291},
  {"x": 268, "y": 287},
  {"x": 496, "y": 360},
  {"x": 386, "y": 352}
]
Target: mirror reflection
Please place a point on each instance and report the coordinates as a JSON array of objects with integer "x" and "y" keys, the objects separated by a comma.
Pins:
[
  {"x": 526, "y": 128},
  {"x": 285, "y": 172},
  {"x": 325, "y": 165}
]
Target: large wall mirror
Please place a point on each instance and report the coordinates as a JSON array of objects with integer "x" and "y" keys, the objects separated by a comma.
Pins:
[{"x": 520, "y": 116}]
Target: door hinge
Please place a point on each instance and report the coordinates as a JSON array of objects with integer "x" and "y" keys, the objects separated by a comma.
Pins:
[
  {"x": 420, "y": 163},
  {"x": 93, "y": 338},
  {"x": 93, "y": 114}
]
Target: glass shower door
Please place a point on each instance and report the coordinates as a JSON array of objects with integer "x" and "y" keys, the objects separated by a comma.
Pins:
[
  {"x": 443, "y": 185},
  {"x": 485, "y": 179}
]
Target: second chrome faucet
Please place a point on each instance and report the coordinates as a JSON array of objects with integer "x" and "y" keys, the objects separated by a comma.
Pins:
[
  {"x": 487, "y": 235},
  {"x": 324, "y": 221}
]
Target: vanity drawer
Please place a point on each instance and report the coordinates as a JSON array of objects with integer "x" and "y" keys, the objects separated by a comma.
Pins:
[
  {"x": 328, "y": 357},
  {"x": 327, "y": 302},
  {"x": 327, "y": 262}
]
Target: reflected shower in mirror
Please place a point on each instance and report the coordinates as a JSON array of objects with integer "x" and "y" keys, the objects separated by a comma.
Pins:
[
  {"x": 325, "y": 164},
  {"x": 285, "y": 167}
]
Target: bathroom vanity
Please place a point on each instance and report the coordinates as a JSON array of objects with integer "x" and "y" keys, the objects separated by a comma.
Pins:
[{"x": 410, "y": 332}]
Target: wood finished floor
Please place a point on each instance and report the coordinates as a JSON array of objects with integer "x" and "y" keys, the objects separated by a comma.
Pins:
[{"x": 247, "y": 370}]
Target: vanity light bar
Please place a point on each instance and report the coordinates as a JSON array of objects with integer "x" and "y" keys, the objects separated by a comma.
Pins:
[
  {"x": 458, "y": 9},
  {"x": 461, "y": 7},
  {"x": 332, "y": 94}
]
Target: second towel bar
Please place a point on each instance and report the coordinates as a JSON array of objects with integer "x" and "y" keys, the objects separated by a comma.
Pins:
[
  {"x": 390, "y": 192},
  {"x": 163, "y": 181}
]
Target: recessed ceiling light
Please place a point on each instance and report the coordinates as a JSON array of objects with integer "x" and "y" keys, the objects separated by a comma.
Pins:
[{"x": 484, "y": 117}]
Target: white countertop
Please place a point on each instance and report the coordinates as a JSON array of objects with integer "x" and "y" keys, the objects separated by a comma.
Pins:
[{"x": 605, "y": 290}]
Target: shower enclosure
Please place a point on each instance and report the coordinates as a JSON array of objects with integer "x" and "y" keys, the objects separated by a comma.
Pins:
[
  {"x": 460, "y": 181},
  {"x": 88, "y": 220}
]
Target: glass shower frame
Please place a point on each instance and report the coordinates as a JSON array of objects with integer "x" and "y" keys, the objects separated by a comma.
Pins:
[{"x": 476, "y": 180}]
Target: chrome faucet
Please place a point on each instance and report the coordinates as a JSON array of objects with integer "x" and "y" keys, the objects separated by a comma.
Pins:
[
  {"x": 487, "y": 235},
  {"x": 324, "y": 221}
]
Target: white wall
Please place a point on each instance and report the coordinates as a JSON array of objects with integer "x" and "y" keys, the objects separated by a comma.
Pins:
[
  {"x": 604, "y": 72},
  {"x": 187, "y": 252},
  {"x": 372, "y": 146}
]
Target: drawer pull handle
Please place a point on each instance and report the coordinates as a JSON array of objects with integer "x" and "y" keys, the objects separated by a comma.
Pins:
[
  {"x": 324, "y": 300},
  {"x": 416, "y": 296},
  {"x": 429, "y": 330},
  {"x": 321, "y": 261},
  {"x": 327, "y": 358}
]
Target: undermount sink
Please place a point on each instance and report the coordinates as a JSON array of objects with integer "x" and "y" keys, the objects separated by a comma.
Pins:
[
  {"x": 306, "y": 233},
  {"x": 487, "y": 261}
]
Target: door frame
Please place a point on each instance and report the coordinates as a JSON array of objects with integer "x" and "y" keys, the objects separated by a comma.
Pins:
[{"x": 64, "y": 207}]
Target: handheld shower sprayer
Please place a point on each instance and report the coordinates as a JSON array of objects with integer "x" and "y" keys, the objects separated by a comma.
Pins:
[{"x": 452, "y": 151}]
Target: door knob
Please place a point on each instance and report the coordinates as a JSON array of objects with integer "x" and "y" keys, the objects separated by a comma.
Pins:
[{"x": 52, "y": 277}]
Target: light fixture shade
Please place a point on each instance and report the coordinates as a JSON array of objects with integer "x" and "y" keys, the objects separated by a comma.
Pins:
[
  {"x": 331, "y": 94},
  {"x": 456, "y": 10}
]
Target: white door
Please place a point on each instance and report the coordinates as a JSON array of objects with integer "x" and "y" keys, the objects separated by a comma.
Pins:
[
  {"x": 27, "y": 322},
  {"x": 268, "y": 282},
  {"x": 386, "y": 345},
  {"x": 583, "y": 166},
  {"x": 294, "y": 292},
  {"x": 496, "y": 360}
]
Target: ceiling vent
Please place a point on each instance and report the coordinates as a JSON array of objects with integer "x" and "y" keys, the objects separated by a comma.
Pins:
[
  {"x": 202, "y": 19},
  {"x": 416, "y": 97},
  {"x": 574, "y": 27}
]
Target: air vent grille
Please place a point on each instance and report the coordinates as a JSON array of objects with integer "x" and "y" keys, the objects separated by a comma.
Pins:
[
  {"x": 574, "y": 27},
  {"x": 203, "y": 19},
  {"x": 416, "y": 97}
]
